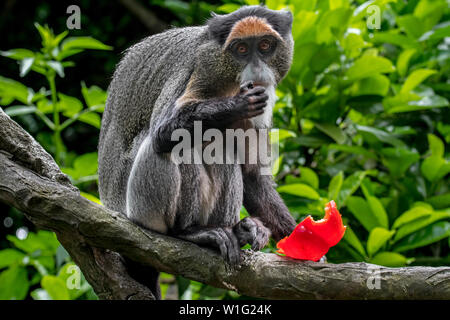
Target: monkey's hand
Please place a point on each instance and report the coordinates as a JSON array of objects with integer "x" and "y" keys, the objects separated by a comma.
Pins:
[
  {"x": 249, "y": 102},
  {"x": 252, "y": 231}
]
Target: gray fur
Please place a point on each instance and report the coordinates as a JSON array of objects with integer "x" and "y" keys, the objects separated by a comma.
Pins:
[{"x": 163, "y": 83}]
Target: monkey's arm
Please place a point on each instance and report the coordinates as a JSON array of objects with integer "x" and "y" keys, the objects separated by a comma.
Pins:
[
  {"x": 263, "y": 201},
  {"x": 216, "y": 113}
]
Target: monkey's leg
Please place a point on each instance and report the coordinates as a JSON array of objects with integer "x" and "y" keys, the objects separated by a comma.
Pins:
[
  {"x": 217, "y": 113},
  {"x": 263, "y": 201},
  {"x": 220, "y": 238}
]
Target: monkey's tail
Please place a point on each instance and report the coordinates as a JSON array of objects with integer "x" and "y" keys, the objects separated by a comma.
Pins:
[{"x": 145, "y": 275}]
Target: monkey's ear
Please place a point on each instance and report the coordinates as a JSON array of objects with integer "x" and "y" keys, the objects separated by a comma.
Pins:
[
  {"x": 281, "y": 21},
  {"x": 219, "y": 27},
  {"x": 289, "y": 18}
]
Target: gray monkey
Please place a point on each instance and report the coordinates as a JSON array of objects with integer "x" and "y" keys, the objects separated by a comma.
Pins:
[{"x": 223, "y": 74}]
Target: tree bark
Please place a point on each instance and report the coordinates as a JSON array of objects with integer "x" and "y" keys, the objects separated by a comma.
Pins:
[{"x": 94, "y": 236}]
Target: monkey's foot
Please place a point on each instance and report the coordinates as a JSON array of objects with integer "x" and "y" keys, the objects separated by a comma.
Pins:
[
  {"x": 252, "y": 231},
  {"x": 221, "y": 238}
]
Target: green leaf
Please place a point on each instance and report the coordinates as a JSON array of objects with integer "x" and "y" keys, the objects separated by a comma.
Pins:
[
  {"x": 378, "y": 211},
  {"x": 332, "y": 131},
  {"x": 377, "y": 84},
  {"x": 83, "y": 166},
  {"x": 440, "y": 201},
  {"x": 19, "y": 110},
  {"x": 209, "y": 291},
  {"x": 389, "y": 259},
  {"x": 304, "y": 29},
  {"x": 310, "y": 141},
  {"x": 45, "y": 241},
  {"x": 40, "y": 294},
  {"x": 416, "y": 78},
  {"x": 55, "y": 287},
  {"x": 335, "y": 186},
  {"x": 368, "y": 66},
  {"x": 332, "y": 24},
  {"x": 403, "y": 61},
  {"x": 9, "y": 257},
  {"x": 407, "y": 102},
  {"x": 277, "y": 166},
  {"x": 83, "y": 43},
  {"x": 69, "y": 105},
  {"x": 309, "y": 177},
  {"x": 436, "y": 34},
  {"x": 421, "y": 223},
  {"x": 411, "y": 24},
  {"x": 86, "y": 164},
  {"x": 228, "y": 7},
  {"x": 91, "y": 118},
  {"x": 435, "y": 168},
  {"x": 353, "y": 240},
  {"x": 94, "y": 95},
  {"x": 423, "y": 237},
  {"x": 395, "y": 39},
  {"x": 349, "y": 186},
  {"x": 378, "y": 238},
  {"x": 25, "y": 66},
  {"x": 300, "y": 190},
  {"x": 11, "y": 90},
  {"x": 18, "y": 54},
  {"x": 353, "y": 45},
  {"x": 362, "y": 212},
  {"x": 90, "y": 197},
  {"x": 381, "y": 135},
  {"x": 14, "y": 283},
  {"x": 411, "y": 215},
  {"x": 436, "y": 145},
  {"x": 57, "y": 66},
  {"x": 398, "y": 160},
  {"x": 353, "y": 149}
]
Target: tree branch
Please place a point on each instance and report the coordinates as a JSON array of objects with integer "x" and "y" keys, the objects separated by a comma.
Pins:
[
  {"x": 148, "y": 18},
  {"x": 93, "y": 235}
]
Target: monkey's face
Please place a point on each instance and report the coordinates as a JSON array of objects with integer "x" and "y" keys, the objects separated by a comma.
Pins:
[
  {"x": 258, "y": 41},
  {"x": 253, "y": 55}
]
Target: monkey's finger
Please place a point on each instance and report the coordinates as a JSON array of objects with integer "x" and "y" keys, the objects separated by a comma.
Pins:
[
  {"x": 234, "y": 248},
  {"x": 258, "y": 98},
  {"x": 221, "y": 241},
  {"x": 255, "y": 91},
  {"x": 246, "y": 86},
  {"x": 255, "y": 113},
  {"x": 257, "y": 106}
]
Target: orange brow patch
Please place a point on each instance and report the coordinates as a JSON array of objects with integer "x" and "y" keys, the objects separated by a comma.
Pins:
[{"x": 250, "y": 26}]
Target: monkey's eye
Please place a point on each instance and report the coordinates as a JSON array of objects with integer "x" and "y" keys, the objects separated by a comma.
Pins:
[
  {"x": 242, "y": 48},
  {"x": 264, "y": 45}
]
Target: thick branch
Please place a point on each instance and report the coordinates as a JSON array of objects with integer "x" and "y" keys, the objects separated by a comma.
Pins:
[{"x": 90, "y": 232}]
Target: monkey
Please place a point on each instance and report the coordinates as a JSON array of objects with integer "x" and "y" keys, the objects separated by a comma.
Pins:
[{"x": 223, "y": 74}]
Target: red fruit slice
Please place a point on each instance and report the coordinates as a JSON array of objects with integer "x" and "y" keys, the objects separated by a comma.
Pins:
[{"x": 311, "y": 239}]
